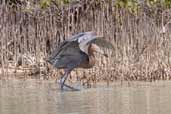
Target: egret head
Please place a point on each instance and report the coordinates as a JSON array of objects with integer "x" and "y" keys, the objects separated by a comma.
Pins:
[{"x": 95, "y": 48}]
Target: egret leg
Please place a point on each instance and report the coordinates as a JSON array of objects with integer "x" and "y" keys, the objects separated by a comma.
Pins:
[{"x": 63, "y": 79}]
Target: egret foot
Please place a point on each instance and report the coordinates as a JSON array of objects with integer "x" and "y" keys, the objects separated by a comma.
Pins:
[
  {"x": 72, "y": 88},
  {"x": 64, "y": 86}
]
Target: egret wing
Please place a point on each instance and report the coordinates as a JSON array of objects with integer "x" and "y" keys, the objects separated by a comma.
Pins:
[
  {"x": 65, "y": 44},
  {"x": 101, "y": 42},
  {"x": 58, "y": 49},
  {"x": 70, "y": 52}
]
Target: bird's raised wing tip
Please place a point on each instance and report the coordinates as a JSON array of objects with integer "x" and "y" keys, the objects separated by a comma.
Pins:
[{"x": 100, "y": 41}]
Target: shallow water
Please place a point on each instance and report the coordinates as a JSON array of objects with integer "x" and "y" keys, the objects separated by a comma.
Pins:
[{"x": 43, "y": 97}]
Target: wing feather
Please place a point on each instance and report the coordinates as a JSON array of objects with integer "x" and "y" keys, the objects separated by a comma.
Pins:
[
  {"x": 101, "y": 42},
  {"x": 77, "y": 43},
  {"x": 66, "y": 49},
  {"x": 67, "y": 43}
]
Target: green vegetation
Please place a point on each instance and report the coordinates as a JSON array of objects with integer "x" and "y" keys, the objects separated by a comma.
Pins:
[{"x": 47, "y": 3}]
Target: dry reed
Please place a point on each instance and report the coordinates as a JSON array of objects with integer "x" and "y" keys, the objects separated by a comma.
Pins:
[{"x": 141, "y": 51}]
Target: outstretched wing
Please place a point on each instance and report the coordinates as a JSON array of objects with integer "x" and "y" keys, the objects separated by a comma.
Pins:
[
  {"x": 81, "y": 38},
  {"x": 69, "y": 53},
  {"x": 66, "y": 44},
  {"x": 58, "y": 49},
  {"x": 101, "y": 42},
  {"x": 71, "y": 48}
]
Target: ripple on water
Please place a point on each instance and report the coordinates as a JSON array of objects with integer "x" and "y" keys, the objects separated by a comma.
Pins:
[{"x": 44, "y": 97}]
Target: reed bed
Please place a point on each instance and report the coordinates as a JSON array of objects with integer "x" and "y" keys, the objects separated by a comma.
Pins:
[{"x": 141, "y": 48}]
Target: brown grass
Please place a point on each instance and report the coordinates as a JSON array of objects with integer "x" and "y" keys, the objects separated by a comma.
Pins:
[{"x": 141, "y": 52}]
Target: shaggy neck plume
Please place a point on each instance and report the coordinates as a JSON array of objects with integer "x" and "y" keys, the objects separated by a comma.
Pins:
[{"x": 91, "y": 56}]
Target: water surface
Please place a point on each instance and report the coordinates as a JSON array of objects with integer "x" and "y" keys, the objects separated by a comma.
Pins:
[{"x": 43, "y": 97}]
